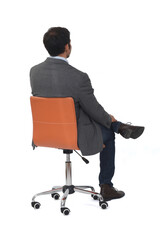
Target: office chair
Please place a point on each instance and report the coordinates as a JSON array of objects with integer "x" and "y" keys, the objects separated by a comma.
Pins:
[{"x": 55, "y": 126}]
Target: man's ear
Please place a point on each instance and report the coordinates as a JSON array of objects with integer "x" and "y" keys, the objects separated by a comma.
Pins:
[{"x": 67, "y": 47}]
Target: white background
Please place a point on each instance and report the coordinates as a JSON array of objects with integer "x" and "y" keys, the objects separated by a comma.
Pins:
[{"x": 117, "y": 43}]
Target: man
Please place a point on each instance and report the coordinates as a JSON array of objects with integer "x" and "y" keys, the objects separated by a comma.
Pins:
[{"x": 96, "y": 128}]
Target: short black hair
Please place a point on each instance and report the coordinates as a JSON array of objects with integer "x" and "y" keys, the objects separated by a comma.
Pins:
[{"x": 55, "y": 40}]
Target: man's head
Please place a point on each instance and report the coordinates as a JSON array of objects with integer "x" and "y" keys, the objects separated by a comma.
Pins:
[{"x": 57, "y": 41}]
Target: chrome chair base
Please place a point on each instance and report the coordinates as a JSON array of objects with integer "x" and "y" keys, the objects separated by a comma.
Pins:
[{"x": 69, "y": 189}]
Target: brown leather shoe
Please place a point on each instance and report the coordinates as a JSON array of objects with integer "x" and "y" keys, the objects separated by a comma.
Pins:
[
  {"x": 109, "y": 193},
  {"x": 129, "y": 131}
]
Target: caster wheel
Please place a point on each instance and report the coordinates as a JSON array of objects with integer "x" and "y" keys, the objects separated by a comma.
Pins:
[
  {"x": 56, "y": 196},
  {"x": 35, "y": 205},
  {"x": 65, "y": 210},
  {"x": 95, "y": 197},
  {"x": 103, "y": 204}
]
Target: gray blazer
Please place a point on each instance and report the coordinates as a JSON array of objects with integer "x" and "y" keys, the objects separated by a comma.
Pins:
[{"x": 56, "y": 78}]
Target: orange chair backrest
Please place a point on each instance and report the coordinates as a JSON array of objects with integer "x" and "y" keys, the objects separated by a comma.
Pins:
[{"x": 54, "y": 122}]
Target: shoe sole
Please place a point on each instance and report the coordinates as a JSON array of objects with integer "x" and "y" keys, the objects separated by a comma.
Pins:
[
  {"x": 109, "y": 199},
  {"x": 137, "y": 132}
]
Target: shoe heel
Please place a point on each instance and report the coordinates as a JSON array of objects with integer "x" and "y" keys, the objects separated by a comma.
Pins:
[{"x": 127, "y": 133}]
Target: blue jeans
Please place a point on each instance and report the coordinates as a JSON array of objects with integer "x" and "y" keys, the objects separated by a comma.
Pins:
[{"x": 107, "y": 155}]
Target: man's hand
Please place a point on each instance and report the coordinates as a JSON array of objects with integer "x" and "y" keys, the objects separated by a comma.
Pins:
[{"x": 113, "y": 118}]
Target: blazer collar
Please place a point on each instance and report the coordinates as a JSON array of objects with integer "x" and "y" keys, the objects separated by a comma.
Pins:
[{"x": 57, "y": 61}]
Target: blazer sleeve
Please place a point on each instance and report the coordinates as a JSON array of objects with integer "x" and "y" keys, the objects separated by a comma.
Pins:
[{"x": 90, "y": 105}]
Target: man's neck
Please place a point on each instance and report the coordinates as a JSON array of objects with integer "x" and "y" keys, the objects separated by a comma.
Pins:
[{"x": 62, "y": 55}]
